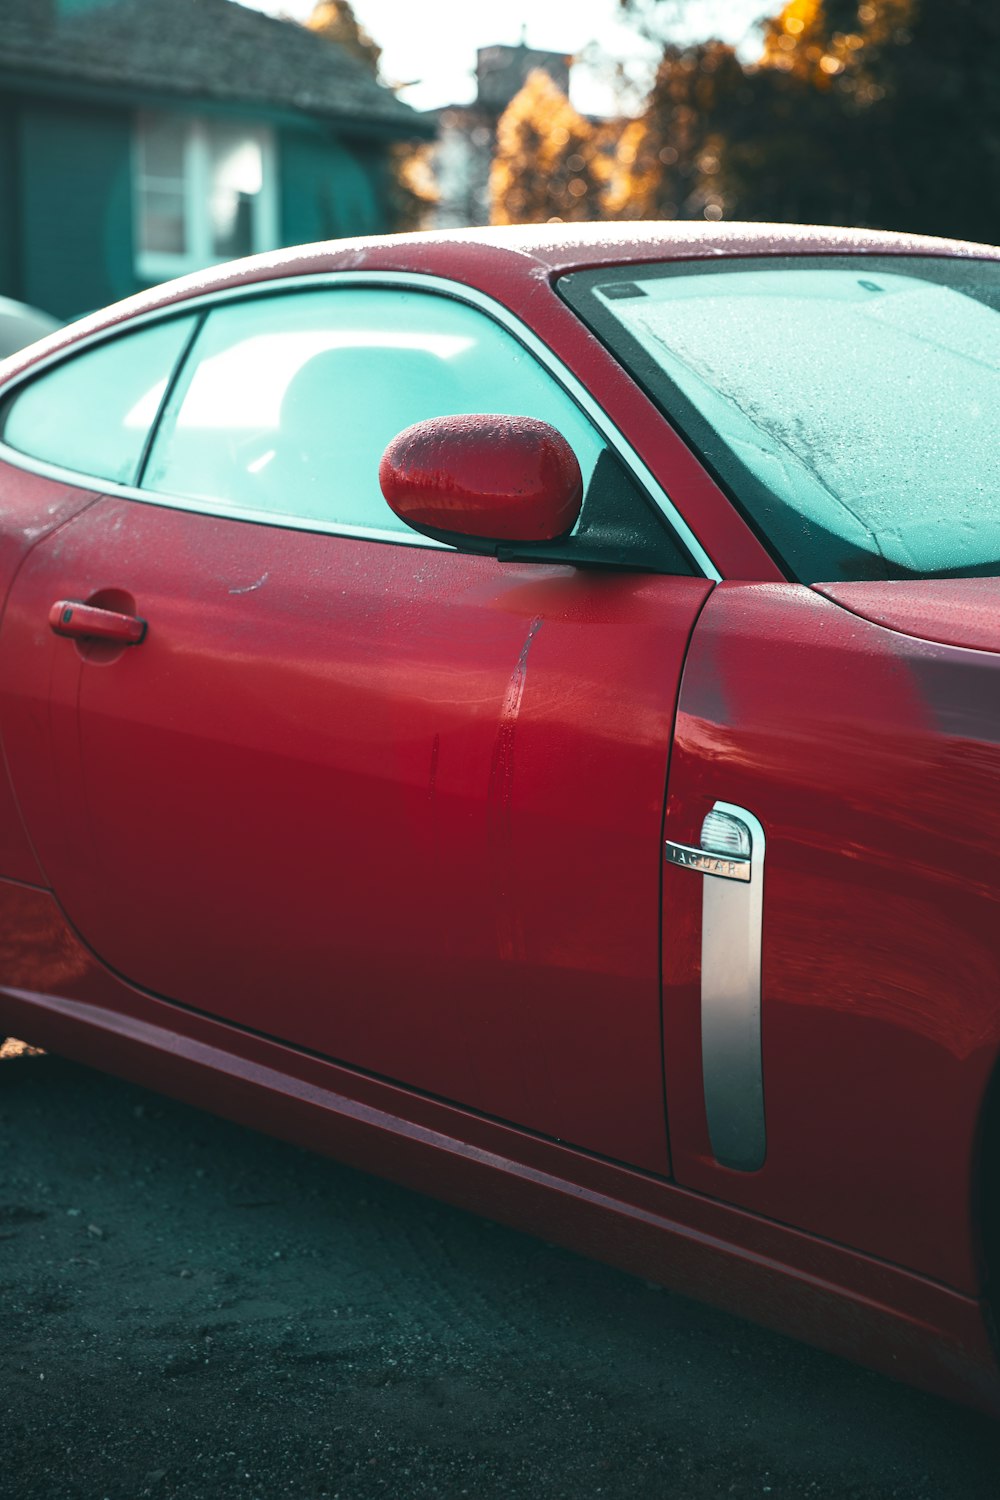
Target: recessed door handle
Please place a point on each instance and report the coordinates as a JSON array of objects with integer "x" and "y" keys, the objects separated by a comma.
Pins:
[{"x": 69, "y": 617}]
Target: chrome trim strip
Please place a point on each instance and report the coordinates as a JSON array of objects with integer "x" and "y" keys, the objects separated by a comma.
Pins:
[
  {"x": 418, "y": 282},
  {"x": 731, "y": 1055},
  {"x": 706, "y": 863}
]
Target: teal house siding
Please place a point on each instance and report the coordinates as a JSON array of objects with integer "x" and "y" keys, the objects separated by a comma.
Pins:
[
  {"x": 76, "y": 207},
  {"x": 76, "y": 76},
  {"x": 8, "y": 201},
  {"x": 325, "y": 191}
]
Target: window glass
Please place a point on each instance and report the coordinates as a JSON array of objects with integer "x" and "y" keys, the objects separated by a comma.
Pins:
[
  {"x": 204, "y": 192},
  {"x": 93, "y": 412},
  {"x": 161, "y": 160},
  {"x": 288, "y": 402},
  {"x": 851, "y": 404},
  {"x": 236, "y": 178}
]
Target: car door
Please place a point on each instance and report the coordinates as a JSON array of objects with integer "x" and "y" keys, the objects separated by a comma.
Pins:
[{"x": 370, "y": 796}]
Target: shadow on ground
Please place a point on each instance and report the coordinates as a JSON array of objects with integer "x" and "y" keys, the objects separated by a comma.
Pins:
[{"x": 191, "y": 1309}]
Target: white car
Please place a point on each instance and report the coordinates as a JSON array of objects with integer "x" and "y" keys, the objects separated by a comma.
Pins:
[{"x": 21, "y": 325}]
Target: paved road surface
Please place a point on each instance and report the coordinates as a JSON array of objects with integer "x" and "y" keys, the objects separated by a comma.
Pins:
[{"x": 193, "y": 1310}]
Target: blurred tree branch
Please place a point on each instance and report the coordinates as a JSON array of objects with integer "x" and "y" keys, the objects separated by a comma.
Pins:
[{"x": 871, "y": 112}]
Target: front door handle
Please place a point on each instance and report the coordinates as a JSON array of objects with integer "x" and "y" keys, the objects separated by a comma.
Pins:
[{"x": 70, "y": 617}]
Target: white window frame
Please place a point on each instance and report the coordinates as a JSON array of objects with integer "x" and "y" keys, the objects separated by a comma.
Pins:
[{"x": 159, "y": 265}]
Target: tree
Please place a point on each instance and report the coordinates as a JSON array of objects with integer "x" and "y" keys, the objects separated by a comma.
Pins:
[
  {"x": 672, "y": 162},
  {"x": 940, "y": 115},
  {"x": 870, "y": 112},
  {"x": 335, "y": 19},
  {"x": 834, "y": 43},
  {"x": 410, "y": 184},
  {"x": 900, "y": 98},
  {"x": 550, "y": 162}
]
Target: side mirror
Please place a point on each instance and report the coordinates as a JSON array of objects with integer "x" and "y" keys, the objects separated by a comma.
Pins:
[{"x": 483, "y": 479}]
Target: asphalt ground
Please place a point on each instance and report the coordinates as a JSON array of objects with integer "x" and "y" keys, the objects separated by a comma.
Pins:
[{"x": 191, "y": 1309}]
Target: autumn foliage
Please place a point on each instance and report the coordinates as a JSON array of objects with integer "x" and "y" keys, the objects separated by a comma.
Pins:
[
  {"x": 335, "y": 19},
  {"x": 869, "y": 112},
  {"x": 548, "y": 162}
]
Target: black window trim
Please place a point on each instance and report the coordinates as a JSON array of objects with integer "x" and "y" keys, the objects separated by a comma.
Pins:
[{"x": 168, "y": 391}]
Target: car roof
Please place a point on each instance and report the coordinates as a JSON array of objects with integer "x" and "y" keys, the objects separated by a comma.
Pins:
[
  {"x": 504, "y": 262},
  {"x": 564, "y": 247}
]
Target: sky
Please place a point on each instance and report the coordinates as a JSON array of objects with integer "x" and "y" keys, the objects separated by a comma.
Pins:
[{"x": 431, "y": 44}]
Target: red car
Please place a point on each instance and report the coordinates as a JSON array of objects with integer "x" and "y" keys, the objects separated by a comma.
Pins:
[{"x": 520, "y": 712}]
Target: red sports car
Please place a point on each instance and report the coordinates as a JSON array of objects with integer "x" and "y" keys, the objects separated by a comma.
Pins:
[{"x": 520, "y": 711}]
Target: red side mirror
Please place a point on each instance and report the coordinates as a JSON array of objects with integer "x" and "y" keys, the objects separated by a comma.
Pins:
[{"x": 492, "y": 478}]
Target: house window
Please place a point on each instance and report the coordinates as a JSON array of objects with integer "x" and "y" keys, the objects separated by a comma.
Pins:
[{"x": 204, "y": 192}]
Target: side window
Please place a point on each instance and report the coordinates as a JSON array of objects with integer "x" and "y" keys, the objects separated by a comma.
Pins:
[
  {"x": 287, "y": 402},
  {"x": 93, "y": 412}
]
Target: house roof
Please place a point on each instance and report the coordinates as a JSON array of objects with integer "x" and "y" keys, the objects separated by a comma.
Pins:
[{"x": 214, "y": 50}]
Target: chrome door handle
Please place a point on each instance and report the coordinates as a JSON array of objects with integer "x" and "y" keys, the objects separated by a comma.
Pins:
[{"x": 732, "y": 847}]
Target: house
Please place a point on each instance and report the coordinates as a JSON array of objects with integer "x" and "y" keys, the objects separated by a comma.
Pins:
[
  {"x": 467, "y": 132},
  {"x": 140, "y": 139}
]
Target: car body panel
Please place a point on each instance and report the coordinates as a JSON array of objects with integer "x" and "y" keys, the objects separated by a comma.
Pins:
[
  {"x": 401, "y": 806},
  {"x": 953, "y": 611},
  {"x": 871, "y": 759},
  {"x": 30, "y": 508}
]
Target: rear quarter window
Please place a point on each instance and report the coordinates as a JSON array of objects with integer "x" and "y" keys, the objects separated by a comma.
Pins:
[{"x": 92, "y": 412}]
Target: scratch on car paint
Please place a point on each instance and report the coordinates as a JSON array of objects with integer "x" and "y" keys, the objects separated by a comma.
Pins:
[
  {"x": 510, "y": 938},
  {"x": 502, "y": 765},
  {"x": 248, "y": 588}
]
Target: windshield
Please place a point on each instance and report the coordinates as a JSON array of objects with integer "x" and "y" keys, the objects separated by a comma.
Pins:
[{"x": 850, "y": 405}]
